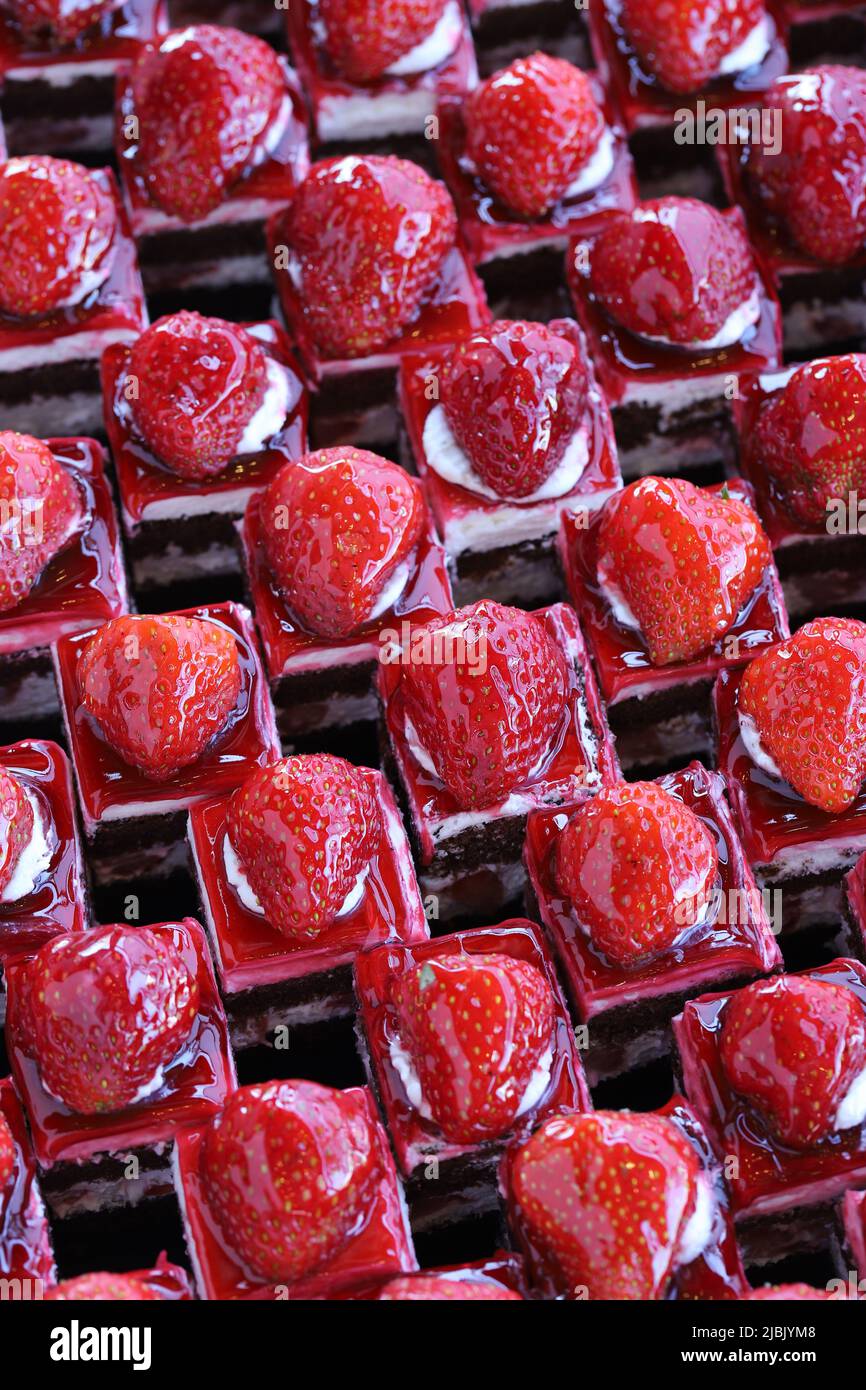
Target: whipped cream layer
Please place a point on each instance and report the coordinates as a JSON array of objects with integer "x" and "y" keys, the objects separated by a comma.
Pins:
[
  {"x": 242, "y": 887},
  {"x": 439, "y": 44},
  {"x": 752, "y": 50},
  {"x": 401, "y": 1059},
  {"x": 447, "y": 458},
  {"x": 34, "y": 858}
]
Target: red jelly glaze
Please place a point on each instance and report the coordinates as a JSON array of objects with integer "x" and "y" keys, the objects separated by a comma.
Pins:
[
  {"x": 145, "y": 482},
  {"x": 249, "y": 739},
  {"x": 854, "y": 1226},
  {"x": 855, "y": 893},
  {"x": 249, "y": 952},
  {"x": 415, "y": 1139},
  {"x": 714, "y": 951},
  {"x": 490, "y": 229},
  {"x": 770, "y": 815},
  {"x": 504, "y": 1267},
  {"x": 582, "y": 754},
  {"x": 166, "y": 1280},
  {"x": 619, "y": 653},
  {"x": 58, "y": 902},
  {"x": 115, "y": 40},
  {"x": 381, "y": 1250},
  {"x": 85, "y": 584},
  {"x": 765, "y": 1169},
  {"x": 25, "y": 1238},
  {"x": 195, "y": 1084}
]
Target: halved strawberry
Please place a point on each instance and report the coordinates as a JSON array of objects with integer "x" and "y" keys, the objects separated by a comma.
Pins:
[
  {"x": 530, "y": 129},
  {"x": 16, "y": 825},
  {"x": 197, "y": 384},
  {"x": 8, "y": 1153},
  {"x": 160, "y": 688},
  {"x": 477, "y": 1029},
  {"x": 793, "y": 1046},
  {"x": 791, "y": 1293},
  {"x": 206, "y": 99},
  {"x": 363, "y": 38},
  {"x": 102, "y": 1288},
  {"x": 515, "y": 394},
  {"x": 290, "y": 1170},
  {"x": 59, "y": 21},
  {"x": 57, "y": 234},
  {"x": 370, "y": 235},
  {"x": 304, "y": 830},
  {"x": 674, "y": 269},
  {"x": 813, "y": 182},
  {"x": 606, "y": 1199},
  {"x": 432, "y": 1288},
  {"x": 684, "y": 42},
  {"x": 336, "y": 527},
  {"x": 41, "y": 508},
  {"x": 807, "y": 697},
  {"x": 486, "y": 699},
  {"x": 811, "y": 436},
  {"x": 638, "y": 867},
  {"x": 102, "y": 1012},
  {"x": 684, "y": 560}
]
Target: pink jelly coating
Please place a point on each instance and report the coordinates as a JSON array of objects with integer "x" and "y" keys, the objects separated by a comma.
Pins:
[{"x": 25, "y": 1237}]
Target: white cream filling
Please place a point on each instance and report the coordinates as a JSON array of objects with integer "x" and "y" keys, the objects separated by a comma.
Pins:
[
  {"x": 271, "y": 414},
  {"x": 33, "y": 860},
  {"x": 752, "y": 50},
  {"x": 446, "y": 458},
  {"x": 392, "y": 590},
  {"x": 755, "y": 748},
  {"x": 404, "y": 1066},
  {"x": 89, "y": 281},
  {"x": 618, "y": 605},
  {"x": 439, "y": 44},
  {"x": 732, "y": 330},
  {"x": 242, "y": 887},
  {"x": 852, "y": 1107},
  {"x": 597, "y": 168},
  {"x": 698, "y": 1230}
]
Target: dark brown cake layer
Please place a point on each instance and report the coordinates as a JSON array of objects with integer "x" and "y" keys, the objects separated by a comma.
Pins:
[
  {"x": 796, "y": 1231},
  {"x": 96, "y": 1185},
  {"x": 254, "y": 1013},
  {"x": 441, "y": 1192},
  {"x": 141, "y": 847},
  {"x": 703, "y": 430},
  {"x": 194, "y": 535},
  {"x": 646, "y": 730},
  {"x": 525, "y": 574},
  {"x": 50, "y": 379},
  {"x": 88, "y": 95},
  {"x": 663, "y": 167},
  {"x": 310, "y": 700},
  {"x": 824, "y": 296}
]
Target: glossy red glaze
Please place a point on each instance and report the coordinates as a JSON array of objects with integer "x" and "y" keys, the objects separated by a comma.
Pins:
[
  {"x": 106, "y": 783},
  {"x": 855, "y": 893},
  {"x": 85, "y": 584},
  {"x": 195, "y": 1083},
  {"x": 382, "y": 1249},
  {"x": 736, "y": 940},
  {"x": 150, "y": 491},
  {"x": 504, "y": 1267},
  {"x": 581, "y": 759},
  {"x": 771, "y": 817},
  {"x": 165, "y": 1280},
  {"x": 417, "y": 1140},
  {"x": 58, "y": 902},
  {"x": 766, "y": 1176},
  {"x": 116, "y": 40},
  {"x": 25, "y": 1237},
  {"x": 854, "y": 1227},
  {"x": 248, "y": 952}
]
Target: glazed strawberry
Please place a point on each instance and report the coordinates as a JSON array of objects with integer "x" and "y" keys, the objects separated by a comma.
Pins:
[
  {"x": 515, "y": 395},
  {"x": 430, "y": 1288},
  {"x": 160, "y": 688},
  {"x": 102, "y": 1012},
  {"x": 368, "y": 236},
  {"x": 811, "y": 436},
  {"x": 7, "y": 1155},
  {"x": 41, "y": 507},
  {"x": 57, "y": 232},
  {"x": 683, "y": 560},
  {"x": 606, "y": 1199},
  {"x": 487, "y": 701},
  {"x": 685, "y": 42},
  {"x": 675, "y": 270},
  {"x": 638, "y": 866},
  {"x": 531, "y": 129},
  {"x": 290, "y": 1170},
  {"x": 58, "y": 21},
  {"x": 790, "y": 1293},
  {"x": 794, "y": 1047},
  {"x": 304, "y": 830},
  {"x": 363, "y": 38},
  {"x": 102, "y": 1288},
  {"x": 806, "y": 703},
  {"x": 16, "y": 825},
  {"x": 476, "y": 1031},
  {"x": 337, "y": 525},
  {"x": 207, "y": 97},
  {"x": 813, "y": 183},
  {"x": 198, "y": 382}
]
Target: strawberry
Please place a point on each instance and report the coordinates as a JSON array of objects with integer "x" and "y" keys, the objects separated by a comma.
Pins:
[
  {"x": 304, "y": 829},
  {"x": 16, "y": 825},
  {"x": 530, "y": 130},
  {"x": 102, "y": 1012},
  {"x": 515, "y": 395},
  {"x": 606, "y": 1198},
  {"x": 813, "y": 183},
  {"x": 102, "y": 1288},
  {"x": 198, "y": 383},
  {"x": 675, "y": 269},
  {"x": 477, "y": 1029},
  {"x": 290, "y": 1170},
  {"x": 811, "y": 436},
  {"x": 368, "y": 236},
  {"x": 160, "y": 688},
  {"x": 793, "y": 1046},
  {"x": 791, "y": 1293},
  {"x": 58, "y": 21},
  {"x": 684, "y": 560},
  {"x": 684, "y": 42},
  {"x": 807, "y": 698},
  {"x": 336, "y": 527},
  {"x": 207, "y": 98},
  {"x": 638, "y": 867},
  {"x": 8, "y": 1154},
  {"x": 57, "y": 235},
  {"x": 432, "y": 1288},
  {"x": 41, "y": 508},
  {"x": 488, "y": 699},
  {"x": 363, "y": 38}
]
